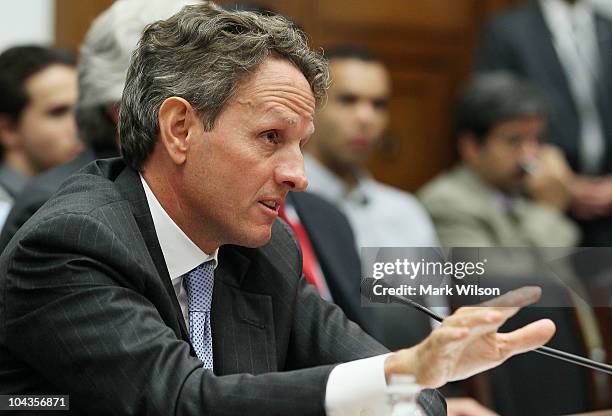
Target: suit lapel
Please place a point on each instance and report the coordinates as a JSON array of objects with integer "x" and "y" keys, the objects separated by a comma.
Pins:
[
  {"x": 242, "y": 321},
  {"x": 131, "y": 188}
]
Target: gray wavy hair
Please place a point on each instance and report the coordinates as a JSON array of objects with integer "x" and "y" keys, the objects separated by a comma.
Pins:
[
  {"x": 104, "y": 60},
  {"x": 202, "y": 54}
]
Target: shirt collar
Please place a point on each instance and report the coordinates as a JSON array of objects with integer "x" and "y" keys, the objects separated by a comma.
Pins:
[
  {"x": 505, "y": 203},
  {"x": 181, "y": 254}
]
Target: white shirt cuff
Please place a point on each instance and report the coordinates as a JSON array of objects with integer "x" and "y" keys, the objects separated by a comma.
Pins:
[{"x": 358, "y": 388}]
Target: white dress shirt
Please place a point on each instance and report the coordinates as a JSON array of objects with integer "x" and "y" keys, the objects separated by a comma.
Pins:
[
  {"x": 180, "y": 253},
  {"x": 353, "y": 388},
  {"x": 380, "y": 215}
]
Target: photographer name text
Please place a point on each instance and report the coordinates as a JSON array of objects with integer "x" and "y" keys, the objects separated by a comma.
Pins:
[{"x": 430, "y": 290}]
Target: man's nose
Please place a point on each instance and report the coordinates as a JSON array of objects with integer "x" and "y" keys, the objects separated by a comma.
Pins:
[
  {"x": 292, "y": 174},
  {"x": 530, "y": 149},
  {"x": 71, "y": 134},
  {"x": 365, "y": 112}
]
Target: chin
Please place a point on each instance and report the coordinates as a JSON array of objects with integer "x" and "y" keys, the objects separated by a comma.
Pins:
[{"x": 257, "y": 238}]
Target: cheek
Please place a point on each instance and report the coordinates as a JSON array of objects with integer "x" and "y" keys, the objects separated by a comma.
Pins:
[
  {"x": 343, "y": 119},
  {"x": 333, "y": 129},
  {"x": 500, "y": 156},
  {"x": 46, "y": 132},
  {"x": 380, "y": 123},
  {"x": 232, "y": 177}
]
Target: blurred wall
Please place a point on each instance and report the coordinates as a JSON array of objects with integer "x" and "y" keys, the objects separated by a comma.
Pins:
[
  {"x": 427, "y": 44},
  {"x": 26, "y": 21}
]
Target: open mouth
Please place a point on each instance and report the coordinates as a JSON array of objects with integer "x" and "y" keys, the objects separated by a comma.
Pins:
[{"x": 273, "y": 205}]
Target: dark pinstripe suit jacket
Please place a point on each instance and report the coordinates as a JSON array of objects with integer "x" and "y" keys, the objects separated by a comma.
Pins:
[{"x": 87, "y": 309}]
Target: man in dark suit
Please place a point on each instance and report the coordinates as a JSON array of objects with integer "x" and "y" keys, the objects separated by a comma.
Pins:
[
  {"x": 564, "y": 47},
  {"x": 106, "y": 291}
]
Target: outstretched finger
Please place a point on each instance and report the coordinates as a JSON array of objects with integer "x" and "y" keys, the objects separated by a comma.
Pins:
[{"x": 527, "y": 338}]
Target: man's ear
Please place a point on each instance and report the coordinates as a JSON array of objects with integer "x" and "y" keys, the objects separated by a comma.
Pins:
[
  {"x": 9, "y": 138},
  {"x": 468, "y": 147},
  {"x": 113, "y": 112},
  {"x": 177, "y": 119}
]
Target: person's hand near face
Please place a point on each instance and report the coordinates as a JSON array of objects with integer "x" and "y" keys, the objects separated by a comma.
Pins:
[{"x": 550, "y": 179}]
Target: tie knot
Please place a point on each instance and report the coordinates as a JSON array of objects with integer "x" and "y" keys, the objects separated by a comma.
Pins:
[{"x": 199, "y": 284}]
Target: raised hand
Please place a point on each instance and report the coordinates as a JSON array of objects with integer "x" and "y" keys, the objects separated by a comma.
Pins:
[{"x": 468, "y": 343}]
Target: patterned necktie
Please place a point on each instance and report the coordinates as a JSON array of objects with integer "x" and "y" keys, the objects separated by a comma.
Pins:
[{"x": 199, "y": 286}]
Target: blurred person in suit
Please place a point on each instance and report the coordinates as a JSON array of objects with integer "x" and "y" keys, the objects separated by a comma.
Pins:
[
  {"x": 511, "y": 190},
  {"x": 104, "y": 59},
  {"x": 565, "y": 48},
  {"x": 38, "y": 90},
  {"x": 171, "y": 261}
]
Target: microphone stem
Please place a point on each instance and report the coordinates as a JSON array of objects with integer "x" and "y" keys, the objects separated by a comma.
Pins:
[{"x": 575, "y": 359}]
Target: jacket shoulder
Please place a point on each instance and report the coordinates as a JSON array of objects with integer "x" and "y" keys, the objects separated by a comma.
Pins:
[
  {"x": 87, "y": 198},
  {"x": 447, "y": 189}
]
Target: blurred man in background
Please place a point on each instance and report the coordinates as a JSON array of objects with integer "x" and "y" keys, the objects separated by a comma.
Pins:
[
  {"x": 103, "y": 64},
  {"x": 563, "y": 46},
  {"x": 510, "y": 190},
  {"x": 38, "y": 91},
  {"x": 348, "y": 128}
]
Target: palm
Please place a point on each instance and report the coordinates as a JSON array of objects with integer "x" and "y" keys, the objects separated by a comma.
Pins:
[
  {"x": 468, "y": 342},
  {"x": 481, "y": 354}
]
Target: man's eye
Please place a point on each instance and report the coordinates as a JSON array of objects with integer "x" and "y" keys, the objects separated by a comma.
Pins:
[
  {"x": 514, "y": 140},
  {"x": 380, "y": 104},
  {"x": 347, "y": 99},
  {"x": 58, "y": 111},
  {"x": 271, "y": 136}
]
